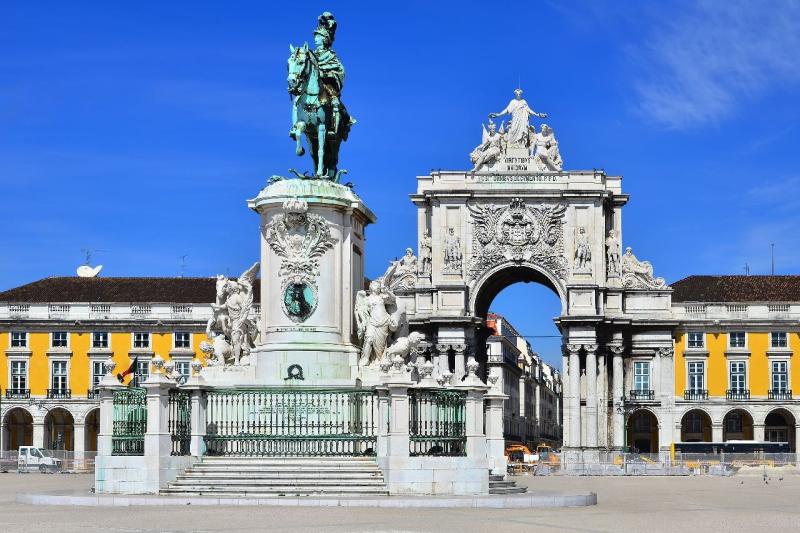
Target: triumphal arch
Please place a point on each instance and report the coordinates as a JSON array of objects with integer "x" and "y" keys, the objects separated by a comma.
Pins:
[{"x": 518, "y": 215}]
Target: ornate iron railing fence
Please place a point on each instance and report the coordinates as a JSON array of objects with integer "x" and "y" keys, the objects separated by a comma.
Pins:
[
  {"x": 179, "y": 421},
  {"x": 291, "y": 422},
  {"x": 437, "y": 422},
  {"x": 130, "y": 422}
]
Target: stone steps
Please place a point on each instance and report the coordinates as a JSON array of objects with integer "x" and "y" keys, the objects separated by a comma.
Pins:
[
  {"x": 252, "y": 477},
  {"x": 500, "y": 485}
]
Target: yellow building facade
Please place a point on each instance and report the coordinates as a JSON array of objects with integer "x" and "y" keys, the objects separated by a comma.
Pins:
[{"x": 53, "y": 354}]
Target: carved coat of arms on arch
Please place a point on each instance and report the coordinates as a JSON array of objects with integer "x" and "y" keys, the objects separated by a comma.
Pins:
[{"x": 517, "y": 233}]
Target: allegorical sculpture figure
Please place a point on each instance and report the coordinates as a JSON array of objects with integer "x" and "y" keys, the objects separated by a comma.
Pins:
[
  {"x": 639, "y": 274},
  {"x": 583, "y": 252},
  {"x": 402, "y": 273},
  {"x": 546, "y": 156},
  {"x": 316, "y": 79},
  {"x": 520, "y": 113},
  {"x": 613, "y": 265},
  {"x": 452, "y": 252},
  {"x": 408, "y": 263},
  {"x": 490, "y": 149},
  {"x": 425, "y": 254},
  {"x": 377, "y": 317},
  {"x": 231, "y": 331}
]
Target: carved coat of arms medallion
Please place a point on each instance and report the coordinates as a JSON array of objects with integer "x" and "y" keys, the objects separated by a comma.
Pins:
[
  {"x": 299, "y": 238},
  {"x": 517, "y": 233}
]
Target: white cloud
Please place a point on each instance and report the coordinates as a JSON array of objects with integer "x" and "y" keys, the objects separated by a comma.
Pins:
[{"x": 701, "y": 61}]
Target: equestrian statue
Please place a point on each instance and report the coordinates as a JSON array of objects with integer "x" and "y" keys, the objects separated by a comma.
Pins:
[{"x": 316, "y": 78}]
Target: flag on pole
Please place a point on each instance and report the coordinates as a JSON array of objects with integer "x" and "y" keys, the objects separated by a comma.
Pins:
[{"x": 131, "y": 370}]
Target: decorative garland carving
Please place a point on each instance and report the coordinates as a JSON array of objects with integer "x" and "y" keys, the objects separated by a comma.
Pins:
[
  {"x": 299, "y": 238},
  {"x": 517, "y": 234}
]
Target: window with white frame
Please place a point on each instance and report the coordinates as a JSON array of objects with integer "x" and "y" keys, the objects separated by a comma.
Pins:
[
  {"x": 182, "y": 339},
  {"x": 737, "y": 339},
  {"x": 641, "y": 376},
  {"x": 58, "y": 375},
  {"x": 141, "y": 372},
  {"x": 19, "y": 339},
  {"x": 184, "y": 369},
  {"x": 59, "y": 339},
  {"x": 100, "y": 340},
  {"x": 141, "y": 340},
  {"x": 97, "y": 373},
  {"x": 777, "y": 339},
  {"x": 19, "y": 375},
  {"x": 780, "y": 376},
  {"x": 696, "y": 375},
  {"x": 738, "y": 376},
  {"x": 695, "y": 339}
]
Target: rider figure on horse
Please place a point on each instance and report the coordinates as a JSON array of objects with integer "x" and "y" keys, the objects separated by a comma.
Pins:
[{"x": 332, "y": 73}]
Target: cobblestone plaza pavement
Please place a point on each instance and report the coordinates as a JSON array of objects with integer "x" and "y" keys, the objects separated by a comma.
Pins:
[{"x": 651, "y": 504}]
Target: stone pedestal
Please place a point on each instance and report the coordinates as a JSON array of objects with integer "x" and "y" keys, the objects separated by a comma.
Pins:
[{"x": 312, "y": 257}]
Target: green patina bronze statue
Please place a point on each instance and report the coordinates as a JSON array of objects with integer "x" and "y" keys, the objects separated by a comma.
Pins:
[{"x": 316, "y": 78}]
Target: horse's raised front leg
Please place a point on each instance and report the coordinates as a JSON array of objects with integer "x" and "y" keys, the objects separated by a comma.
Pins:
[
  {"x": 321, "y": 150},
  {"x": 297, "y": 135}
]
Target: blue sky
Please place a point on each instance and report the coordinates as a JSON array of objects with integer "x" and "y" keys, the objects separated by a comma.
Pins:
[{"x": 140, "y": 129}]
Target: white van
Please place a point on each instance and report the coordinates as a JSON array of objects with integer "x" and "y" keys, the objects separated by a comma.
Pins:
[{"x": 33, "y": 458}]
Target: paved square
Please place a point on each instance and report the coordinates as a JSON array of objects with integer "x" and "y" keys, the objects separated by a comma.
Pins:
[{"x": 742, "y": 503}]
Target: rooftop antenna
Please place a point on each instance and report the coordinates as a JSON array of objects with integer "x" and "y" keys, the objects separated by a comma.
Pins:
[
  {"x": 772, "y": 246},
  {"x": 183, "y": 264},
  {"x": 86, "y": 270}
]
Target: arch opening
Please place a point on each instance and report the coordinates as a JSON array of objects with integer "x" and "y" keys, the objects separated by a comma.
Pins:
[
  {"x": 59, "y": 430},
  {"x": 91, "y": 429},
  {"x": 737, "y": 425},
  {"x": 696, "y": 426},
  {"x": 517, "y": 334},
  {"x": 17, "y": 429},
  {"x": 779, "y": 426},
  {"x": 642, "y": 431}
]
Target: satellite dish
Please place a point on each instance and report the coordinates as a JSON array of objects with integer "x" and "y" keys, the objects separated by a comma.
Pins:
[{"x": 85, "y": 271}]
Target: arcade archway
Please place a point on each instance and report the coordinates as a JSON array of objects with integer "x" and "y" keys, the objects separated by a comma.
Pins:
[
  {"x": 643, "y": 431},
  {"x": 59, "y": 430},
  {"x": 696, "y": 426},
  {"x": 17, "y": 429},
  {"x": 737, "y": 425},
  {"x": 779, "y": 426},
  {"x": 91, "y": 429}
]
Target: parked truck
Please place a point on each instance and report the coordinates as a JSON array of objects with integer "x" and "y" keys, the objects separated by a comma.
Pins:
[{"x": 33, "y": 458}]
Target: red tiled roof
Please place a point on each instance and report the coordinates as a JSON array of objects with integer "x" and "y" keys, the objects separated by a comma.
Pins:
[
  {"x": 737, "y": 289},
  {"x": 110, "y": 290}
]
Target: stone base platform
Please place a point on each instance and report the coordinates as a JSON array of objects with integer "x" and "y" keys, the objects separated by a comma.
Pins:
[{"x": 515, "y": 501}]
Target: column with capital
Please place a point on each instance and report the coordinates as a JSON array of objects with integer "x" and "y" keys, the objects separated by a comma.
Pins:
[
  {"x": 459, "y": 363},
  {"x": 575, "y": 395},
  {"x": 565, "y": 401},
  {"x": 442, "y": 362},
  {"x": 618, "y": 426},
  {"x": 602, "y": 400},
  {"x": 591, "y": 395}
]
